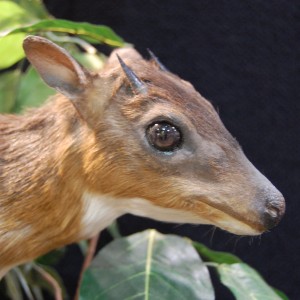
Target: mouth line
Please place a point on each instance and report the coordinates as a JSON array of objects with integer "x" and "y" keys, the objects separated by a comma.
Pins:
[{"x": 223, "y": 210}]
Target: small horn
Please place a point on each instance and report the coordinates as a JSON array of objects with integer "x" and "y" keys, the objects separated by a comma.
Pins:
[
  {"x": 157, "y": 61},
  {"x": 135, "y": 82}
]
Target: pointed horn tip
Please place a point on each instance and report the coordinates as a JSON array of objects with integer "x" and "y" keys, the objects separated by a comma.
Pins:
[
  {"x": 152, "y": 55},
  {"x": 119, "y": 58},
  {"x": 135, "y": 82},
  {"x": 156, "y": 60},
  {"x": 121, "y": 61},
  {"x": 150, "y": 52}
]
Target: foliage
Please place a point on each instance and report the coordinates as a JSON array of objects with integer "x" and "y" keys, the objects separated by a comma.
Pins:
[
  {"x": 150, "y": 265},
  {"x": 146, "y": 265},
  {"x": 19, "y": 18}
]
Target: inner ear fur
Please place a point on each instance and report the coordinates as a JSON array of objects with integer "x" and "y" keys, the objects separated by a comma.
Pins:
[{"x": 56, "y": 66}]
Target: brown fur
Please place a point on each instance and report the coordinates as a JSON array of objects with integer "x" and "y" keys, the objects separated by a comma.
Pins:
[
  {"x": 38, "y": 190},
  {"x": 95, "y": 141}
]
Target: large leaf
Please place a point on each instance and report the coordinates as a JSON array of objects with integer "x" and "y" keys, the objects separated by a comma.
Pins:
[
  {"x": 8, "y": 87},
  {"x": 148, "y": 266},
  {"x": 12, "y": 15},
  {"x": 281, "y": 294},
  {"x": 11, "y": 50},
  {"x": 216, "y": 256},
  {"x": 95, "y": 33},
  {"x": 10, "y": 9},
  {"x": 34, "y": 7},
  {"x": 32, "y": 91},
  {"x": 245, "y": 283}
]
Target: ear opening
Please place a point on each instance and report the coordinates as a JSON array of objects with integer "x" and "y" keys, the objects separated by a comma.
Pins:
[{"x": 56, "y": 66}]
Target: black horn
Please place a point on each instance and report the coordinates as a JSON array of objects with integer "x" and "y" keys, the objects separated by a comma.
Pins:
[
  {"x": 157, "y": 61},
  {"x": 135, "y": 82}
]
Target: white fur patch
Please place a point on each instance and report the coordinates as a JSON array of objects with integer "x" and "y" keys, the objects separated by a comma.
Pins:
[
  {"x": 101, "y": 210},
  {"x": 145, "y": 208}
]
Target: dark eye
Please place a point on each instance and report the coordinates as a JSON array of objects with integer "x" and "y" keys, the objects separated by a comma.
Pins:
[{"x": 164, "y": 136}]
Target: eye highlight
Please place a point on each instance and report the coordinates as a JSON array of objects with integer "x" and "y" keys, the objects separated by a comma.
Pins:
[{"x": 164, "y": 136}]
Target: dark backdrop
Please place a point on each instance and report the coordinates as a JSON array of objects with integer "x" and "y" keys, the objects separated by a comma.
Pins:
[{"x": 244, "y": 57}]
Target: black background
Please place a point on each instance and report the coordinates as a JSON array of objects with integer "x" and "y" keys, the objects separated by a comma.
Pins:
[{"x": 244, "y": 57}]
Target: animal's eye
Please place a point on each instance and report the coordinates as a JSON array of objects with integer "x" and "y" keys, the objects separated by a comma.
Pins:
[{"x": 164, "y": 136}]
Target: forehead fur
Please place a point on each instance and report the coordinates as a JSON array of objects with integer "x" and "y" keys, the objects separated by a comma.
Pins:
[{"x": 178, "y": 95}]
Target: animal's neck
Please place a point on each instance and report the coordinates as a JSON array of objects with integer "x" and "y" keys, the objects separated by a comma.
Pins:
[{"x": 40, "y": 193}]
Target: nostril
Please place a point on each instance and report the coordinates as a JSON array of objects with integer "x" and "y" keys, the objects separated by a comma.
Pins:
[
  {"x": 271, "y": 217},
  {"x": 274, "y": 211}
]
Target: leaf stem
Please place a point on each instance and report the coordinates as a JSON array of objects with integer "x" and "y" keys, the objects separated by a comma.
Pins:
[
  {"x": 51, "y": 281},
  {"x": 148, "y": 263},
  {"x": 211, "y": 264},
  {"x": 87, "y": 261},
  {"x": 69, "y": 39},
  {"x": 24, "y": 283}
]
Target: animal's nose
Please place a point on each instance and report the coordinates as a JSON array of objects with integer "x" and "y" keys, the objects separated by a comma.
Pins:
[{"x": 274, "y": 210}]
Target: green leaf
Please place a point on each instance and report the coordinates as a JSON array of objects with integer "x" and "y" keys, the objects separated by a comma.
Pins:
[
  {"x": 34, "y": 7},
  {"x": 96, "y": 33},
  {"x": 11, "y": 50},
  {"x": 281, "y": 294},
  {"x": 8, "y": 87},
  {"x": 12, "y": 15},
  {"x": 52, "y": 257},
  {"x": 216, "y": 256},
  {"x": 9, "y": 9},
  {"x": 148, "y": 266},
  {"x": 33, "y": 91},
  {"x": 13, "y": 286},
  {"x": 92, "y": 62},
  {"x": 245, "y": 283}
]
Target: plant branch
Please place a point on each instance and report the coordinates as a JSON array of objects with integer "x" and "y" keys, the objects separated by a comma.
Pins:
[
  {"x": 24, "y": 283},
  {"x": 87, "y": 261},
  {"x": 51, "y": 281}
]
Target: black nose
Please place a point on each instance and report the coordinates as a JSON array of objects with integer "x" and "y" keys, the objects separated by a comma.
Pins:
[{"x": 274, "y": 210}]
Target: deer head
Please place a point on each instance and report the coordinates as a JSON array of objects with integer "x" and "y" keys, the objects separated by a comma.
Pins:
[{"x": 158, "y": 149}]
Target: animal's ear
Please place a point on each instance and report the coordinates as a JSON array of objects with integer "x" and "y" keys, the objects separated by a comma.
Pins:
[{"x": 55, "y": 65}]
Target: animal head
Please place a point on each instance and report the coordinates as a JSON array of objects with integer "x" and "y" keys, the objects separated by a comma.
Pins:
[{"x": 154, "y": 139}]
